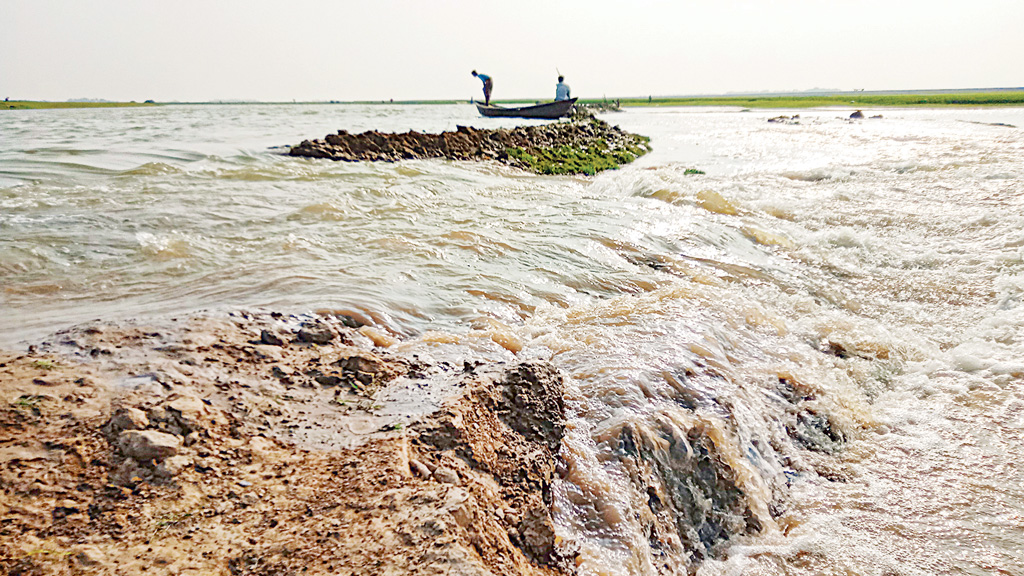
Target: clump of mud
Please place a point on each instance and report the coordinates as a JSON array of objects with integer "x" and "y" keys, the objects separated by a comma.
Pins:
[{"x": 263, "y": 444}]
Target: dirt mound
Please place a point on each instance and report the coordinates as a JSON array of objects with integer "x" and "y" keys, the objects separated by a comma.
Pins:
[{"x": 200, "y": 448}]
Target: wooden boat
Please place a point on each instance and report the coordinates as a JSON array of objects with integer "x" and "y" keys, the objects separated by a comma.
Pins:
[{"x": 548, "y": 110}]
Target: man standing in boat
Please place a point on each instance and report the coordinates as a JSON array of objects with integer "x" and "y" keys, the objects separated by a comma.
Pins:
[
  {"x": 562, "y": 89},
  {"x": 488, "y": 84}
]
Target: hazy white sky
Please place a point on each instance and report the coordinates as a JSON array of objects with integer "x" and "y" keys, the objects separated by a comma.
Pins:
[{"x": 425, "y": 49}]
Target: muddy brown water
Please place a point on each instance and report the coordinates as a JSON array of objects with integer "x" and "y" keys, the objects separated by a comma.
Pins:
[{"x": 806, "y": 361}]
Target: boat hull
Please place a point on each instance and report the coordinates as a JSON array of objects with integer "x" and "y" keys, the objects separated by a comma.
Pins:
[{"x": 548, "y": 110}]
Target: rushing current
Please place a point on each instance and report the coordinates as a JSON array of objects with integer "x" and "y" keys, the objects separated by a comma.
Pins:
[{"x": 807, "y": 360}]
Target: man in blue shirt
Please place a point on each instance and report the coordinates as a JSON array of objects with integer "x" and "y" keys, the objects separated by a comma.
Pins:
[
  {"x": 488, "y": 84},
  {"x": 562, "y": 89}
]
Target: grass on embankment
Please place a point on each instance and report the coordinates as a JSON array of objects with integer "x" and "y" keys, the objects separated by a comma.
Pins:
[
  {"x": 849, "y": 100},
  {"x": 569, "y": 160},
  {"x": 31, "y": 105},
  {"x": 583, "y": 157}
]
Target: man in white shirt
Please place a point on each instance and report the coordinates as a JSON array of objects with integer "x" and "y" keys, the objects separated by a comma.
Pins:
[{"x": 562, "y": 89}]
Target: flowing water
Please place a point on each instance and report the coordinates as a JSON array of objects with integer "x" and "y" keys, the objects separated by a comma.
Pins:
[{"x": 809, "y": 360}]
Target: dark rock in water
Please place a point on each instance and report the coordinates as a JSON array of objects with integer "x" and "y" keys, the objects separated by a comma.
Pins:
[
  {"x": 350, "y": 322},
  {"x": 856, "y": 115},
  {"x": 811, "y": 429},
  {"x": 691, "y": 490},
  {"x": 795, "y": 119},
  {"x": 815, "y": 432},
  {"x": 584, "y": 145}
]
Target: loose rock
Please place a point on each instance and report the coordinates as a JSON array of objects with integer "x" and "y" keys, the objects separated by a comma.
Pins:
[
  {"x": 419, "y": 468},
  {"x": 315, "y": 336},
  {"x": 145, "y": 445},
  {"x": 129, "y": 418},
  {"x": 173, "y": 466},
  {"x": 446, "y": 475},
  {"x": 268, "y": 337}
]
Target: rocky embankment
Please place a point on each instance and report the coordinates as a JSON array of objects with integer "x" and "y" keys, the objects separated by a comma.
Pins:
[
  {"x": 583, "y": 145},
  {"x": 264, "y": 444}
]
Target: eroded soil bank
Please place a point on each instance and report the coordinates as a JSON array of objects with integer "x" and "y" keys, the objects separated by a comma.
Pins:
[
  {"x": 270, "y": 444},
  {"x": 264, "y": 444},
  {"x": 582, "y": 145}
]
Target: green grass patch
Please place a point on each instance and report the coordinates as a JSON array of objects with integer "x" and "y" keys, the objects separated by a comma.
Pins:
[
  {"x": 601, "y": 149},
  {"x": 569, "y": 160},
  {"x": 856, "y": 100},
  {"x": 31, "y": 105}
]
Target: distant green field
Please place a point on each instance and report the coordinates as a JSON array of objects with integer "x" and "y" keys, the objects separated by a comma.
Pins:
[
  {"x": 850, "y": 100},
  {"x": 29, "y": 105}
]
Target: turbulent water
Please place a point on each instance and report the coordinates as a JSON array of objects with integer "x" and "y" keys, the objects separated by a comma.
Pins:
[{"x": 808, "y": 360}]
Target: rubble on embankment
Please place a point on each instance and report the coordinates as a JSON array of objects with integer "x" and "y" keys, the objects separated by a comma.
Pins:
[
  {"x": 267, "y": 444},
  {"x": 582, "y": 145}
]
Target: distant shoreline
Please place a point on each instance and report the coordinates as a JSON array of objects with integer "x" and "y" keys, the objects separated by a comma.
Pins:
[
  {"x": 36, "y": 105},
  {"x": 846, "y": 99},
  {"x": 860, "y": 99}
]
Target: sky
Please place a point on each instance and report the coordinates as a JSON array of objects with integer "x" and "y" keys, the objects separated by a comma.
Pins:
[{"x": 318, "y": 50}]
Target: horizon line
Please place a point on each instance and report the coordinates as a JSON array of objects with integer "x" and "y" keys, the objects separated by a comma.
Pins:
[{"x": 735, "y": 94}]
